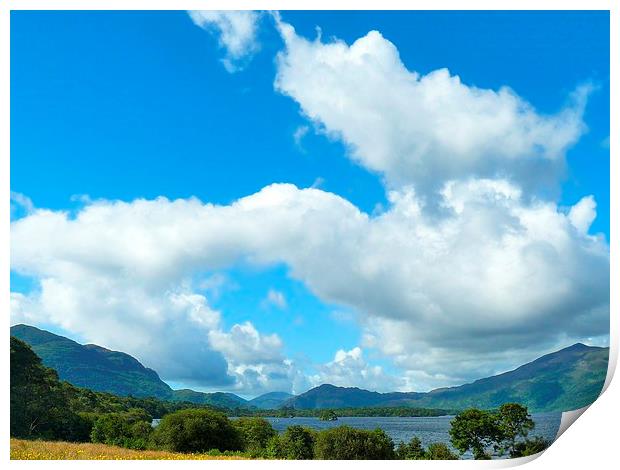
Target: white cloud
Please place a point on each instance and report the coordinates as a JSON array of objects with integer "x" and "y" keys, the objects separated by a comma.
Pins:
[
  {"x": 256, "y": 361},
  {"x": 245, "y": 345},
  {"x": 18, "y": 200},
  {"x": 350, "y": 369},
  {"x": 494, "y": 273},
  {"x": 216, "y": 284},
  {"x": 583, "y": 213},
  {"x": 156, "y": 317},
  {"x": 299, "y": 134},
  {"x": 236, "y": 31},
  {"x": 318, "y": 182},
  {"x": 422, "y": 129},
  {"x": 276, "y": 298},
  {"x": 165, "y": 330}
]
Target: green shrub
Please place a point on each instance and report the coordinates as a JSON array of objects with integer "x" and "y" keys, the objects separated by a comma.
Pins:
[
  {"x": 254, "y": 433},
  {"x": 439, "y": 451},
  {"x": 411, "y": 451},
  {"x": 297, "y": 443},
  {"x": 530, "y": 447},
  {"x": 130, "y": 429},
  {"x": 346, "y": 443},
  {"x": 197, "y": 430}
]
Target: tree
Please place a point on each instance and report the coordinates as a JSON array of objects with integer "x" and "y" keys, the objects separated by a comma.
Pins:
[
  {"x": 439, "y": 451},
  {"x": 346, "y": 443},
  {"x": 255, "y": 433},
  {"x": 475, "y": 430},
  {"x": 514, "y": 422},
  {"x": 297, "y": 443},
  {"x": 411, "y": 451},
  {"x": 328, "y": 415},
  {"x": 40, "y": 406},
  {"x": 196, "y": 430}
]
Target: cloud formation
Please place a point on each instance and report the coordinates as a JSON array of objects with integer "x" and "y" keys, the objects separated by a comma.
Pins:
[
  {"x": 20, "y": 202},
  {"x": 583, "y": 213},
  {"x": 236, "y": 32},
  {"x": 494, "y": 276},
  {"x": 497, "y": 274},
  {"x": 350, "y": 369},
  {"x": 276, "y": 298},
  {"x": 422, "y": 129}
]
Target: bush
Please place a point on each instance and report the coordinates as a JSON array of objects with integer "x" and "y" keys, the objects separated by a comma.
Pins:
[
  {"x": 440, "y": 451},
  {"x": 530, "y": 447},
  {"x": 297, "y": 443},
  {"x": 130, "y": 429},
  {"x": 411, "y": 451},
  {"x": 346, "y": 443},
  {"x": 197, "y": 430},
  {"x": 255, "y": 433}
]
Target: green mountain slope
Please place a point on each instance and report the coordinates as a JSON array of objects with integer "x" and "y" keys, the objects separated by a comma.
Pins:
[
  {"x": 564, "y": 380},
  {"x": 92, "y": 366},
  {"x": 102, "y": 370},
  {"x": 221, "y": 399},
  {"x": 330, "y": 396},
  {"x": 270, "y": 401}
]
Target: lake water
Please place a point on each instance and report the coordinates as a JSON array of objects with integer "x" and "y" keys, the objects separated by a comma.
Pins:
[{"x": 428, "y": 430}]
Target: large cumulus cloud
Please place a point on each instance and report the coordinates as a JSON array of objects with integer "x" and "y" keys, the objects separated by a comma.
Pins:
[
  {"x": 497, "y": 273},
  {"x": 423, "y": 129}
]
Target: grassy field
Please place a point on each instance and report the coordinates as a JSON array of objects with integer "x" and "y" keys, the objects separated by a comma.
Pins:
[{"x": 45, "y": 450}]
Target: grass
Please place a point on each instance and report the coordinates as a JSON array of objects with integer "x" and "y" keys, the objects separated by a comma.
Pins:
[{"x": 47, "y": 450}]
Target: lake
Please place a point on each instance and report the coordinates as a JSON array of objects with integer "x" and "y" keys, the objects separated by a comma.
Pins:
[{"x": 427, "y": 429}]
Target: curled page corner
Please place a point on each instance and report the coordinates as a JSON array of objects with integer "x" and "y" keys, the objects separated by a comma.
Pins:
[
  {"x": 568, "y": 418},
  {"x": 611, "y": 365}
]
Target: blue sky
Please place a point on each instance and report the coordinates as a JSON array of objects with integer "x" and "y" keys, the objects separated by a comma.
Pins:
[{"x": 129, "y": 105}]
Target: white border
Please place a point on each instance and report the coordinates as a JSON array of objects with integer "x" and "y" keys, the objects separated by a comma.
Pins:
[{"x": 592, "y": 443}]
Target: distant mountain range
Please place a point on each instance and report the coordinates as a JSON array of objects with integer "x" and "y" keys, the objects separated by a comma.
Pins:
[
  {"x": 270, "y": 401},
  {"x": 564, "y": 380}
]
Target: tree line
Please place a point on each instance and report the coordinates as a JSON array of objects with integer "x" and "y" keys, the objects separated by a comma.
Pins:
[
  {"x": 366, "y": 411},
  {"x": 43, "y": 407},
  {"x": 484, "y": 433}
]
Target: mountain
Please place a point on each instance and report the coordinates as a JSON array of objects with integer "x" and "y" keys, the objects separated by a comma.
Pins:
[
  {"x": 270, "y": 401},
  {"x": 92, "y": 366},
  {"x": 564, "y": 380},
  {"x": 561, "y": 381},
  {"x": 221, "y": 399},
  {"x": 102, "y": 370},
  {"x": 330, "y": 396}
]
